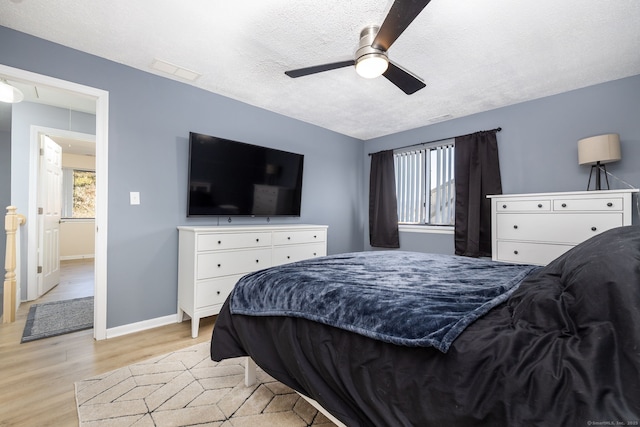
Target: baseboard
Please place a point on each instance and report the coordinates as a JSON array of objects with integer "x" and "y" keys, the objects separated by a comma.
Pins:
[
  {"x": 72, "y": 257},
  {"x": 141, "y": 326}
]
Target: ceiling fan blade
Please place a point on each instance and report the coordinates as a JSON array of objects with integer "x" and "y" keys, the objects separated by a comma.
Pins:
[
  {"x": 401, "y": 15},
  {"x": 406, "y": 81},
  {"x": 318, "y": 68}
]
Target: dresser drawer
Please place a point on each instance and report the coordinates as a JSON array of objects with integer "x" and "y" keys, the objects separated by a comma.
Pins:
[
  {"x": 214, "y": 291},
  {"x": 299, "y": 236},
  {"x": 216, "y": 264},
  {"x": 223, "y": 241},
  {"x": 590, "y": 205},
  {"x": 523, "y": 205},
  {"x": 571, "y": 229},
  {"x": 529, "y": 253},
  {"x": 291, "y": 253}
]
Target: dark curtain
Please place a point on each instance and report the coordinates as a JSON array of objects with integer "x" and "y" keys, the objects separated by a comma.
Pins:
[
  {"x": 477, "y": 174},
  {"x": 383, "y": 211}
]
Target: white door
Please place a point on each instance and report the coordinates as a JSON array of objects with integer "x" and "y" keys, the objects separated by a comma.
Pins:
[{"x": 49, "y": 213}]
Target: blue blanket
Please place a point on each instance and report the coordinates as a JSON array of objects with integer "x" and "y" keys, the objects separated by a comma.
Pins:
[{"x": 405, "y": 298}]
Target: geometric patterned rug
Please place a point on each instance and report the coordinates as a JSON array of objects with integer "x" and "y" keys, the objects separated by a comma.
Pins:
[{"x": 187, "y": 388}]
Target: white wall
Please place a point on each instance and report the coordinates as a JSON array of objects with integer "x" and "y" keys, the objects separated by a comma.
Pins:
[
  {"x": 77, "y": 161},
  {"x": 77, "y": 239}
]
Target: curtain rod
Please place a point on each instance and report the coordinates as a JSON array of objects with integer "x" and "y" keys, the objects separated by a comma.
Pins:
[{"x": 443, "y": 139}]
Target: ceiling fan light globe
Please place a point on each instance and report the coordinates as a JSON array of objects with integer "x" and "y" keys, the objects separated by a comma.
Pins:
[
  {"x": 372, "y": 65},
  {"x": 9, "y": 93}
]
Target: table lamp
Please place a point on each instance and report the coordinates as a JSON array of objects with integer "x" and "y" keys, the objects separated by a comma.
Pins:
[{"x": 597, "y": 151}]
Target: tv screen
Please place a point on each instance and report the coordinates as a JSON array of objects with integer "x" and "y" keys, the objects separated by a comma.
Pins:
[{"x": 228, "y": 178}]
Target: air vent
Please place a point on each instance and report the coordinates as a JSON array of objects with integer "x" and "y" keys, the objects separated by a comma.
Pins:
[
  {"x": 440, "y": 118},
  {"x": 174, "y": 70}
]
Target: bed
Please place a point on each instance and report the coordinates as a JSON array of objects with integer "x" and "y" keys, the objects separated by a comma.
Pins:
[{"x": 555, "y": 345}]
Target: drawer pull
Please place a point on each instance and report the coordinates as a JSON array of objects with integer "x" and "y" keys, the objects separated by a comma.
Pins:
[
  {"x": 515, "y": 227},
  {"x": 288, "y": 238},
  {"x": 217, "y": 292},
  {"x": 564, "y": 205},
  {"x": 315, "y": 237},
  {"x": 539, "y": 205},
  {"x": 504, "y": 206},
  {"x": 219, "y": 265},
  {"x": 257, "y": 240},
  {"x": 257, "y": 261},
  {"x": 288, "y": 257},
  {"x": 314, "y": 254},
  {"x": 219, "y": 242},
  {"x": 515, "y": 252},
  {"x": 609, "y": 204},
  {"x": 593, "y": 229}
]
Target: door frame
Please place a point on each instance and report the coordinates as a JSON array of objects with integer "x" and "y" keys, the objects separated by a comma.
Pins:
[
  {"x": 102, "y": 129},
  {"x": 36, "y": 132}
]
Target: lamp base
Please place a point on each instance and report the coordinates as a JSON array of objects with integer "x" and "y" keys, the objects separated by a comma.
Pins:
[{"x": 599, "y": 169}]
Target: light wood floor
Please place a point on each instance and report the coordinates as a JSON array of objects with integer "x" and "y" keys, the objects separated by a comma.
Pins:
[{"x": 37, "y": 378}]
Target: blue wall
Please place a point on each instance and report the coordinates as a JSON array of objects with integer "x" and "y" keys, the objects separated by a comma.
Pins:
[
  {"x": 149, "y": 122},
  {"x": 538, "y": 144}
]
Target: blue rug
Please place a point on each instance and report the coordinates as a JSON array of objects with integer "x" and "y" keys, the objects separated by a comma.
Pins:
[{"x": 57, "y": 318}]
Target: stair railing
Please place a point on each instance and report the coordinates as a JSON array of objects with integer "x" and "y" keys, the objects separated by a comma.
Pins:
[{"x": 12, "y": 221}]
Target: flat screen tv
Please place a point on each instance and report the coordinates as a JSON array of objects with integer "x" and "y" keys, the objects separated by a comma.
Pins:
[{"x": 229, "y": 178}]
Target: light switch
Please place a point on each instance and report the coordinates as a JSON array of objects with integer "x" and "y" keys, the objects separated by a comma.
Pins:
[{"x": 134, "y": 198}]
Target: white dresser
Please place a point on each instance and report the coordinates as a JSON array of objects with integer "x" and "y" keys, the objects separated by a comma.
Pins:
[
  {"x": 537, "y": 228},
  {"x": 212, "y": 259}
]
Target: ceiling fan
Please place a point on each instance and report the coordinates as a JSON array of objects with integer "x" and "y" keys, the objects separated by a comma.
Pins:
[{"x": 371, "y": 59}]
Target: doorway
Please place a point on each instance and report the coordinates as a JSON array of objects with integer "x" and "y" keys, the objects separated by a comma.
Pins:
[
  {"x": 101, "y": 99},
  {"x": 66, "y": 227}
]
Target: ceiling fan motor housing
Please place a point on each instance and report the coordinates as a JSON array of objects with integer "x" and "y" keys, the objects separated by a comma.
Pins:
[
  {"x": 367, "y": 53},
  {"x": 371, "y": 58}
]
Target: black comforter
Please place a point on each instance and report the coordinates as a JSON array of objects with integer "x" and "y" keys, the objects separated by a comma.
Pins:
[{"x": 564, "y": 349}]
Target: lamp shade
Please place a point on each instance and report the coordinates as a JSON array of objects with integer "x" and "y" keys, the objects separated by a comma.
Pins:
[{"x": 599, "y": 148}]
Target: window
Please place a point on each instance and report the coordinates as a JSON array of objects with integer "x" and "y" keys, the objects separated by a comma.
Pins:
[
  {"x": 425, "y": 187},
  {"x": 78, "y": 194}
]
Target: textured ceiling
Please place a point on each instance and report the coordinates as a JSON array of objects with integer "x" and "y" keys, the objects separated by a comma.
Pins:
[{"x": 474, "y": 55}]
